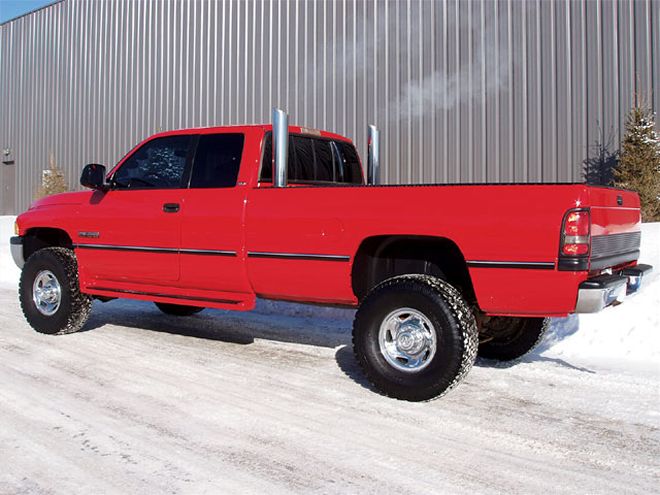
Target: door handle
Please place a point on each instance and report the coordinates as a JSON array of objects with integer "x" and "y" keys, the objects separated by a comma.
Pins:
[{"x": 171, "y": 207}]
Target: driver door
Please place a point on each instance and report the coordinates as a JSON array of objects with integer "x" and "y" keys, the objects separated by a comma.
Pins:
[{"x": 131, "y": 233}]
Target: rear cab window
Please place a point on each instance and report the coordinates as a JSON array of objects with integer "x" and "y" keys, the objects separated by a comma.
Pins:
[{"x": 315, "y": 160}]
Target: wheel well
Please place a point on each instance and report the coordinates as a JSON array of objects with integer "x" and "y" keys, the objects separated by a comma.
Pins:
[
  {"x": 43, "y": 237},
  {"x": 382, "y": 257}
]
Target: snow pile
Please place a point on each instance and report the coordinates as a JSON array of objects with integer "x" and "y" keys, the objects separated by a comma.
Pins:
[
  {"x": 9, "y": 272},
  {"x": 618, "y": 336}
]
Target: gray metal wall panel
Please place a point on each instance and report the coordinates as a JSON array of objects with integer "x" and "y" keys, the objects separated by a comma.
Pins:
[{"x": 463, "y": 91}]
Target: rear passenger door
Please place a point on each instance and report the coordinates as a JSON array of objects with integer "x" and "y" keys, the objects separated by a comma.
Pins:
[{"x": 212, "y": 223}]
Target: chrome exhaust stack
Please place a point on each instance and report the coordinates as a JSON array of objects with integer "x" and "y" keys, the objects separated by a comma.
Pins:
[
  {"x": 280, "y": 147},
  {"x": 373, "y": 158}
]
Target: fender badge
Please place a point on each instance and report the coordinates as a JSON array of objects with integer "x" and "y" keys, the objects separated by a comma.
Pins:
[{"x": 93, "y": 235}]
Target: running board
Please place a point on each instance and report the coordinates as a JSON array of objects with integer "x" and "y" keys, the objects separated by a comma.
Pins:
[{"x": 222, "y": 301}]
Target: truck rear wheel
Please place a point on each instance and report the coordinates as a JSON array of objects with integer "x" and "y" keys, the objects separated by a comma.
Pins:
[
  {"x": 50, "y": 294},
  {"x": 415, "y": 337},
  {"x": 506, "y": 338},
  {"x": 178, "y": 309}
]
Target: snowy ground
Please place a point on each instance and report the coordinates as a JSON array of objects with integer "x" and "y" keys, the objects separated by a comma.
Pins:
[{"x": 273, "y": 401}]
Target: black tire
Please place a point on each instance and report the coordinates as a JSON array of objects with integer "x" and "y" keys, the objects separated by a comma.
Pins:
[
  {"x": 451, "y": 319},
  {"x": 506, "y": 339},
  {"x": 178, "y": 309},
  {"x": 74, "y": 307}
]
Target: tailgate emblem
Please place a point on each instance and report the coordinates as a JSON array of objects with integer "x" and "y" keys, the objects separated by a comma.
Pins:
[{"x": 619, "y": 200}]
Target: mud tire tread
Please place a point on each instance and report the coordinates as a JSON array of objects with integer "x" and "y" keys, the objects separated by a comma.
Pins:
[
  {"x": 79, "y": 305},
  {"x": 463, "y": 318}
]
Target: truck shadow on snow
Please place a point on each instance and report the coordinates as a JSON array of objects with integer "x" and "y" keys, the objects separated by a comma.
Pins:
[
  {"x": 298, "y": 324},
  {"x": 289, "y": 323}
]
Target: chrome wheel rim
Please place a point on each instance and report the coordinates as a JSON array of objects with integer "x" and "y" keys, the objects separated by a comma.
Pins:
[
  {"x": 407, "y": 340},
  {"x": 46, "y": 293}
]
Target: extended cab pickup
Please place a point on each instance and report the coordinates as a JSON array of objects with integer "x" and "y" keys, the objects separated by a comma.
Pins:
[{"x": 217, "y": 217}]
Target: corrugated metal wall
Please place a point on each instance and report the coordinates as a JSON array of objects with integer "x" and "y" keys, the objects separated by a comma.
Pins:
[{"x": 463, "y": 91}]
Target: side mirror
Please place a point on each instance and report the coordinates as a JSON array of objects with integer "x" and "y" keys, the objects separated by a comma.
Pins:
[{"x": 93, "y": 177}]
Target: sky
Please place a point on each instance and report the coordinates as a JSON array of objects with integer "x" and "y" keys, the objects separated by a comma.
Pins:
[{"x": 14, "y": 8}]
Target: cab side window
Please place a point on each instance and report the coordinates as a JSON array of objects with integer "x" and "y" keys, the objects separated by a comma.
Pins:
[
  {"x": 158, "y": 164},
  {"x": 217, "y": 160}
]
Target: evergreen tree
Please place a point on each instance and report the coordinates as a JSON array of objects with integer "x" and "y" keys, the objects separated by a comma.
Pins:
[
  {"x": 639, "y": 162},
  {"x": 52, "y": 180}
]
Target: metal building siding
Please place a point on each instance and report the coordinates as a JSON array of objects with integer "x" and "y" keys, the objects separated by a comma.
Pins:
[{"x": 463, "y": 91}]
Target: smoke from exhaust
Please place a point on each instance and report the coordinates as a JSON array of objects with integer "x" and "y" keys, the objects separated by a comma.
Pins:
[{"x": 484, "y": 75}]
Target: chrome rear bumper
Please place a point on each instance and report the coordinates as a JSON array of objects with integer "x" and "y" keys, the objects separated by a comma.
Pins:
[
  {"x": 599, "y": 292},
  {"x": 636, "y": 276}
]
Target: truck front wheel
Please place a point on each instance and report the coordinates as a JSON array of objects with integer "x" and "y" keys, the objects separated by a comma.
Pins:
[
  {"x": 507, "y": 338},
  {"x": 415, "y": 337},
  {"x": 49, "y": 292}
]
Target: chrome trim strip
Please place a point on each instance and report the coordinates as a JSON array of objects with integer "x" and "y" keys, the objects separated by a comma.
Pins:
[
  {"x": 529, "y": 265},
  {"x": 112, "y": 247},
  {"x": 299, "y": 256},
  {"x": 208, "y": 252}
]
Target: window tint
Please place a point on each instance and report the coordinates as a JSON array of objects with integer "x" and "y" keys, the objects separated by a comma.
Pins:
[
  {"x": 315, "y": 160},
  {"x": 267, "y": 161},
  {"x": 159, "y": 164},
  {"x": 217, "y": 160},
  {"x": 302, "y": 151},
  {"x": 324, "y": 166},
  {"x": 351, "y": 170}
]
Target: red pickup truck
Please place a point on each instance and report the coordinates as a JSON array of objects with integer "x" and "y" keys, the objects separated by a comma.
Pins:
[{"x": 217, "y": 217}]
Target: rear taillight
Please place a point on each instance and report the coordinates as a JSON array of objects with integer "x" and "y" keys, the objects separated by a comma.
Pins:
[{"x": 576, "y": 230}]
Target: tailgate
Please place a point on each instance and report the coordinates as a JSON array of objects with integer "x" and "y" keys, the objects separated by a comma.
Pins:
[{"x": 615, "y": 226}]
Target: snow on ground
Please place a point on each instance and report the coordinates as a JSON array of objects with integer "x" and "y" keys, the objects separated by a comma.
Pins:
[
  {"x": 273, "y": 401},
  {"x": 9, "y": 272},
  {"x": 618, "y": 337}
]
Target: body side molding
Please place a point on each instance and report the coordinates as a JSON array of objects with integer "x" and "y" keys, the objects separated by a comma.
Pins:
[
  {"x": 527, "y": 265},
  {"x": 299, "y": 256},
  {"x": 148, "y": 249}
]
